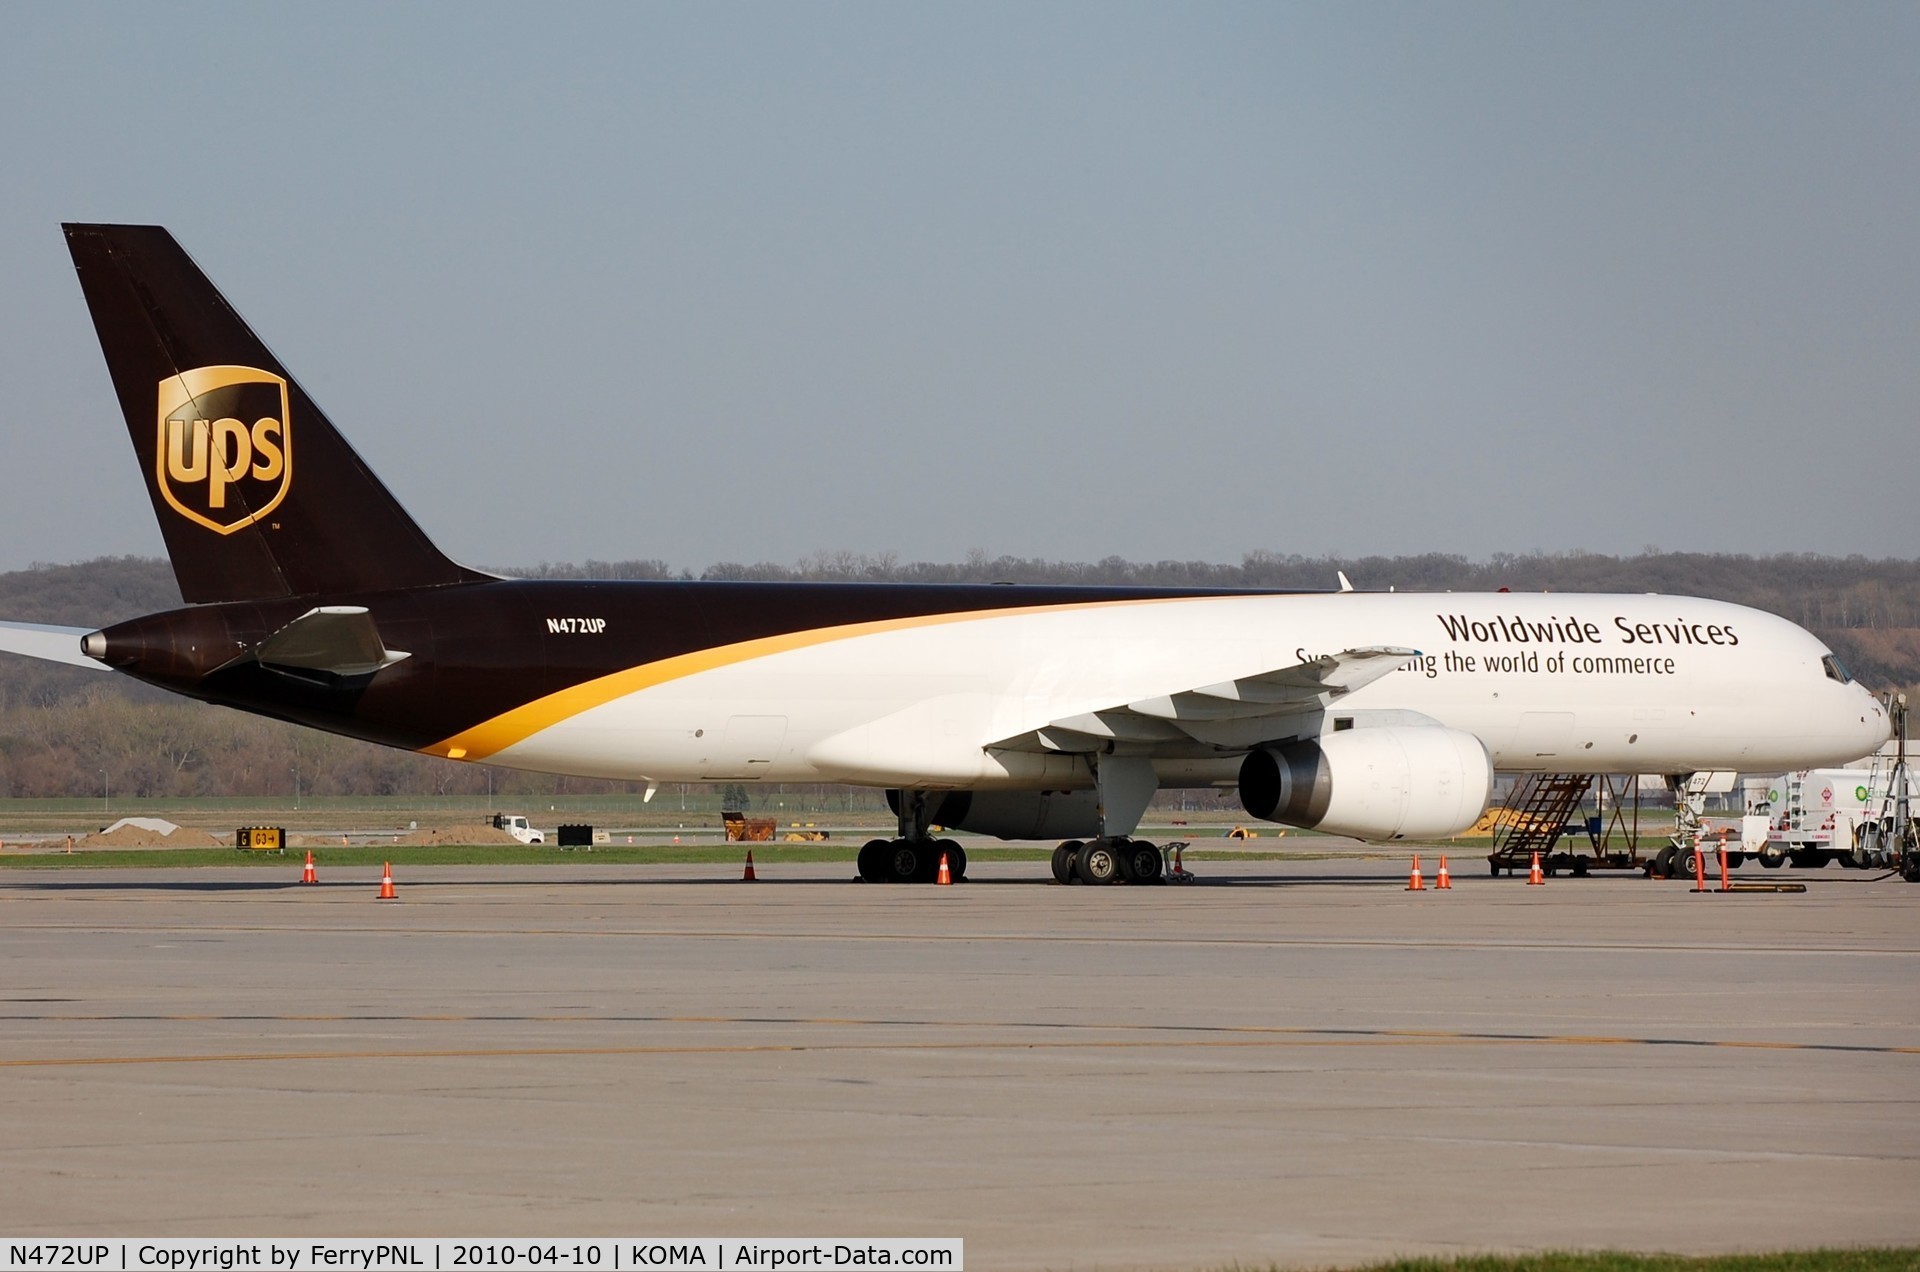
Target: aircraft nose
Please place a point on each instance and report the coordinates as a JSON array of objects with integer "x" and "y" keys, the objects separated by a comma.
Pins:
[{"x": 1875, "y": 725}]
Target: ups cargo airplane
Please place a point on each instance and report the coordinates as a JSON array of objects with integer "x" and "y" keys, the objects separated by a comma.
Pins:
[{"x": 1026, "y": 712}]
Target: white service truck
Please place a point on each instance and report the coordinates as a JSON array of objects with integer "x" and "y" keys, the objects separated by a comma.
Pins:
[
  {"x": 516, "y": 825},
  {"x": 1814, "y": 816}
]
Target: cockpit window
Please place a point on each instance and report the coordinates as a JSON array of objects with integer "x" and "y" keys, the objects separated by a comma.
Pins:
[{"x": 1836, "y": 670}]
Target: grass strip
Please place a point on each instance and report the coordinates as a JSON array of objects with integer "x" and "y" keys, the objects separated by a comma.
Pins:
[
  {"x": 528, "y": 855},
  {"x": 467, "y": 855}
]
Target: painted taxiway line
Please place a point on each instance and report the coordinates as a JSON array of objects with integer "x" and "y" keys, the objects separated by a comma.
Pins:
[
  {"x": 1251, "y": 1036},
  {"x": 199, "y": 930}
]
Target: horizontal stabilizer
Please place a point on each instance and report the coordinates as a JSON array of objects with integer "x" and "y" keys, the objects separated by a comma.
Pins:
[
  {"x": 50, "y": 644},
  {"x": 339, "y": 640}
]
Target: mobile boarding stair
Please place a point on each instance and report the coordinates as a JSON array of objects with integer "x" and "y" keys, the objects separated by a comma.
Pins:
[{"x": 1542, "y": 809}]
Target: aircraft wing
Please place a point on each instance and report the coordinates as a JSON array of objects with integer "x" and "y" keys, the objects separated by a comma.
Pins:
[
  {"x": 1173, "y": 717},
  {"x": 48, "y": 643}
]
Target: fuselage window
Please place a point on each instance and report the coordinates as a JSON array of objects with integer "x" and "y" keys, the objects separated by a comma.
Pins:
[{"x": 1836, "y": 670}]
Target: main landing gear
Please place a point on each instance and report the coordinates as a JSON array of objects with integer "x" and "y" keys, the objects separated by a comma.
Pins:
[
  {"x": 910, "y": 860},
  {"x": 914, "y": 856},
  {"x": 1111, "y": 860},
  {"x": 1125, "y": 785}
]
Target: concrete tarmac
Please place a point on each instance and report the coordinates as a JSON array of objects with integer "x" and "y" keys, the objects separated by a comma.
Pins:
[{"x": 1298, "y": 1063}]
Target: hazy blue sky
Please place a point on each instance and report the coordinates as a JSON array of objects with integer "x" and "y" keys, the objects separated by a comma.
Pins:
[{"x": 728, "y": 282}]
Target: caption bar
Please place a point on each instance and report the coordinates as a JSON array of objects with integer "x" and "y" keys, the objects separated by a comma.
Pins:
[{"x": 600, "y": 1254}]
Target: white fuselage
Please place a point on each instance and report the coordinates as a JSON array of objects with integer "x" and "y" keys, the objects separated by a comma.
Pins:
[{"x": 1583, "y": 683}]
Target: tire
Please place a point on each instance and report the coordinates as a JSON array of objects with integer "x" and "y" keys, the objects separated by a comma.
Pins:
[
  {"x": 873, "y": 861},
  {"x": 1772, "y": 858},
  {"x": 1685, "y": 862},
  {"x": 906, "y": 861},
  {"x": 1807, "y": 859},
  {"x": 1145, "y": 863},
  {"x": 956, "y": 859},
  {"x": 1098, "y": 862},
  {"x": 1910, "y": 867},
  {"x": 1735, "y": 860},
  {"x": 1663, "y": 862},
  {"x": 1065, "y": 859}
]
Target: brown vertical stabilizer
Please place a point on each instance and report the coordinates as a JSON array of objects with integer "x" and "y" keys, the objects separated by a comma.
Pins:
[{"x": 258, "y": 496}]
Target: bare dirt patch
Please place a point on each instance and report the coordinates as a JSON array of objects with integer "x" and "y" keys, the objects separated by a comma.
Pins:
[
  {"x": 476, "y": 833},
  {"x": 138, "y": 837}
]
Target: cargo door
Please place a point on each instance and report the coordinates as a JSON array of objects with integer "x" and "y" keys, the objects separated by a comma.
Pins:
[
  {"x": 746, "y": 748},
  {"x": 1545, "y": 734}
]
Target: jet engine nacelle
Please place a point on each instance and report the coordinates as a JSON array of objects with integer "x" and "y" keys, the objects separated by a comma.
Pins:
[
  {"x": 1388, "y": 783},
  {"x": 1016, "y": 814}
]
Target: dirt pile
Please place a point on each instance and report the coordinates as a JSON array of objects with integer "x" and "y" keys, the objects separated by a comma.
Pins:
[
  {"x": 139, "y": 837},
  {"x": 474, "y": 834}
]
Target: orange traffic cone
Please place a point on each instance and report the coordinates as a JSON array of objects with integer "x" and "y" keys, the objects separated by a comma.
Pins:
[
  {"x": 1414, "y": 882},
  {"x": 386, "y": 885},
  {"x": 1533, "y": 874},
  {"x": 945, "y": 877},
  {"x": 308, "y": 875},
  {"x": 1443, "y": 880},
  {"x": 747, "y": 877}
]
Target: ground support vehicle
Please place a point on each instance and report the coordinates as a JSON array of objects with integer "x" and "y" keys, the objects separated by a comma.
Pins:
[
  {"x": 1542, "y": 809},
  {"x": 516, "y": 825}
]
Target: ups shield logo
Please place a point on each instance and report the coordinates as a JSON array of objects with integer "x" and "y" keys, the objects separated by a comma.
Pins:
[{"x": 225, "y": 453}]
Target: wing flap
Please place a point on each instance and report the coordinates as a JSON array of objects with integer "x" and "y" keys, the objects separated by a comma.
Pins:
[{"x": 1285, "y": 691}]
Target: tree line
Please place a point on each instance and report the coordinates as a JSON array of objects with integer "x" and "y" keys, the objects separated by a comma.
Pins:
[{"x": 67, "y": 732}]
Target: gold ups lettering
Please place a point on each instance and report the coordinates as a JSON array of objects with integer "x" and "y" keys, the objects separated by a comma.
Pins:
[{"x": 224, "y": 454}]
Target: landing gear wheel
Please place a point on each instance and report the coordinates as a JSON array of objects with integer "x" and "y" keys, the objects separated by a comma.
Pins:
[
  {"x": 1098, "y": 862},
  {"x": 906, "y": 861},
  {"x": 1663, "y": 862},
  {"x": 873, "y": 861},
  {"x": 1686, "y": 861},
  {"x": 956, "y": 859},
  {"x": 1142, "y": 861},
  {"x": 1065, "y": 860}
]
